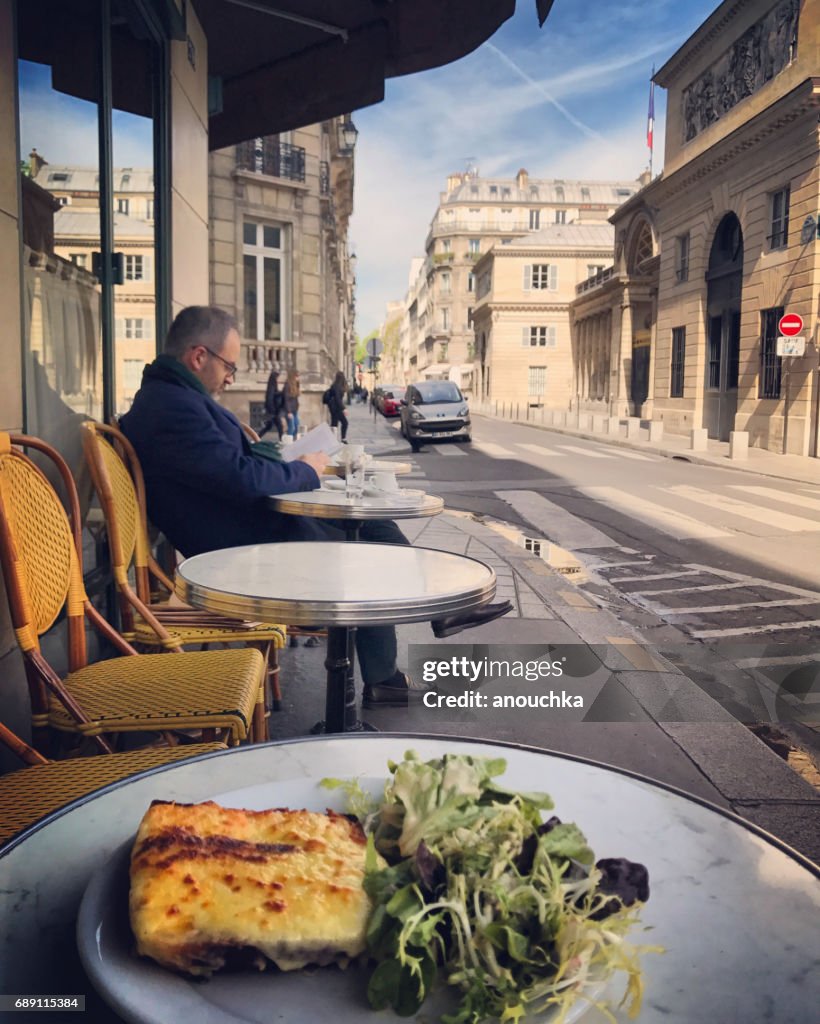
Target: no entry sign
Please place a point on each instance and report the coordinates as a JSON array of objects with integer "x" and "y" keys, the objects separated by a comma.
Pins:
[{"x": 790, "y": 324}]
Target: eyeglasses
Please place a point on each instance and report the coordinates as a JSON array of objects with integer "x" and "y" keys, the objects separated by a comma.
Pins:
[{"x": 230, "y": 367}]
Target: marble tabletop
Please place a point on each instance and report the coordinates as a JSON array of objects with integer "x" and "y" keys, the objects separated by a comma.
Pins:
[
  {"x": 335, "y": 584},
  {"x": 735, "y": 910},
  {"x": 373, "y": 504}
]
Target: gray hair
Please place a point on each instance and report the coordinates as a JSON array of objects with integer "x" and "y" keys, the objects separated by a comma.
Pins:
[{"x": 199, "y": 325}]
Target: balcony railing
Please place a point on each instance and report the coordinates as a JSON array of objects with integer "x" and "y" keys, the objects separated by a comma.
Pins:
[
  {"x": 270, "y": 156},
  {"x": 595, "y": 281},
  {"x": 324, "y": 178}
]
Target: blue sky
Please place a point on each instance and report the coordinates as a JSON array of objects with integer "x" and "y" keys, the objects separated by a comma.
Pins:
[{"x": 567, "y": 101}]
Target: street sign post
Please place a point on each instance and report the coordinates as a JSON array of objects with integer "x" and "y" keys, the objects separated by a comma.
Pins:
[{"x": 791, "y": 325}]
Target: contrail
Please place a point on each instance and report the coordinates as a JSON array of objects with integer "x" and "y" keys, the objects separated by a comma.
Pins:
[{"x": 589, "y": 132}]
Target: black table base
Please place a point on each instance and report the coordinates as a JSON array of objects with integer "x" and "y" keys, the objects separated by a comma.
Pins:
[{"x": 341, "y": 713}]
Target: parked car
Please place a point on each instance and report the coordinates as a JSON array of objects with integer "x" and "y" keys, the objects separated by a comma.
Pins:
[
  {"x": 390, "y": 396},
  {"x": 434, "y": 410}
]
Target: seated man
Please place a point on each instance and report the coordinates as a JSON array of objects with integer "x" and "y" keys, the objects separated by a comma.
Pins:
[{"x": 206, "y": 486}]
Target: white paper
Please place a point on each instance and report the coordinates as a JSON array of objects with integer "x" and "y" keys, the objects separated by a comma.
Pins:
[{"x": 320, "y": 439}]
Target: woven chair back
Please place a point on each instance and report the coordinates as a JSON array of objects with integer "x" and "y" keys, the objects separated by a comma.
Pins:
[
  {"x": 37, "y": 545},
  {"x": 118, "y": 497}
]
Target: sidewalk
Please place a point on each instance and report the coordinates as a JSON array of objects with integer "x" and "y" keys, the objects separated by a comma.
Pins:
[
  {"x": 641, "y": 713},
  {"x": 799, "y": 468}
]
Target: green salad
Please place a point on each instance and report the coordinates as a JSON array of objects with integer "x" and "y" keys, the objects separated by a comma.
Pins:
[{"x": 483, "y": 894}]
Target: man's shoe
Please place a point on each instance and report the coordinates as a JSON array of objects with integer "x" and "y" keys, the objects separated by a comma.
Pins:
[
  {"x": 455, "y": 623},
  {"x": 380, "y": 695}
]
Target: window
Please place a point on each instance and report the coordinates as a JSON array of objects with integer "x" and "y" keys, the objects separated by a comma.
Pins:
[
  {"x": 714, "y": 351},
  {"x": 779, "y": 210},
  {"x": 475, "y": 209},
  {"x": 149, "y": 209},
  {"x": 64, "y": 200},
  {"x": 585, "y": 196},
  {"x": 263, "y": 258},
  {"x": 538, "y": 337},
  {"x": 682, "y": 257},
  {"x": 134, "y": 328},
  {"x": 537, "y": 381},
  {"x": 445, "y": 245},
  {"x": 593, "y": 269},
  {"x": 533, "y": 191},
  {"x": 493, "y": 190},
  {"x": 623, "y": 193},
  {"x": 535, "y": 220},
  {"x": 469, "y": 317},
  {"x": 541, "y": 277},
  {"x": 560, "y": 216},
  {"x": 678, "y": 359},
  {"x": 135, "y": 269},
  {"x": 474, "y": 190},
  {"x": 771, "y": 364},
  {"x": 79, "y": 259},
  {"x": 132, "y": 375},
  {"x": 559, "y": 193},
  {"x": 58, "y": 176},
  {"x": 475, "y": 245},
  {"x": 445, "y": 319},
  {"x": 445, "y": 283},
  {"x": 471, "y": 282},
  {"x": 505, "y": 193},
  {"x": 123, "y": 205}
]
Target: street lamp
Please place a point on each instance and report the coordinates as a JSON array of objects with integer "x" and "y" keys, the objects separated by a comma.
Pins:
[{"x": 347, "y": 135}]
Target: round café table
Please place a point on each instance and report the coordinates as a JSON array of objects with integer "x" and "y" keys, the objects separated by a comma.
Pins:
[
  {"x": 373, "y": 466},
  {"x": 352, "y": 512},
  {"x": 735, "y": 909},
  {"x": 338, "y": 585}
]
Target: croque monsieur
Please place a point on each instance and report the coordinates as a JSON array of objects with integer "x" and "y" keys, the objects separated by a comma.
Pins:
[{"x": 211, "y": 885}]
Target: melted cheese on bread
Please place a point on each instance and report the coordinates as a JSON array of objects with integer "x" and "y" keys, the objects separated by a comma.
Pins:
[{"x": 209, "y": 881}]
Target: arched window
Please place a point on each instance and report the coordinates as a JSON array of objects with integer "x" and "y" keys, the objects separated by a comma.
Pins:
[{"x": 642, "y": 248}]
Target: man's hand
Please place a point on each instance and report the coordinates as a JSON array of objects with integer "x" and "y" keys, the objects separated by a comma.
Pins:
[{"x": 316, "y": 460}]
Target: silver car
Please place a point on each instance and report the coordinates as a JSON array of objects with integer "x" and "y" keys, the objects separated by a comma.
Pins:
[{"x": 434, "y": 410}]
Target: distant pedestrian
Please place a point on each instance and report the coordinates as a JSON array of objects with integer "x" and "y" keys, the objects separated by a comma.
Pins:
[
  {"x": 334, "y": 399},
  {"x": 291, "y": 402},
  {"x": 274, "y": 406}
]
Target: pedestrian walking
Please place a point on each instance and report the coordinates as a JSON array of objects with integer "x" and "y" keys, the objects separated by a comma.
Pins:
[
  {"x": 274, "y": 406},
  {"x": 291, "y": 402},
  {"x": 334, "y": 399}
]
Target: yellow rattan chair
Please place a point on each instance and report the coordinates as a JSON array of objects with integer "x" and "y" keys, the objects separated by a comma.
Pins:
[
  {"x": 118, "y": 480},
  {"x": 40, "y": 555},
  {"x": 34, "y": 792}
]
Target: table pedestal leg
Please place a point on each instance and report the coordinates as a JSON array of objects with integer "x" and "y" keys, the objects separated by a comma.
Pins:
[{"x": 340, "y": 701}]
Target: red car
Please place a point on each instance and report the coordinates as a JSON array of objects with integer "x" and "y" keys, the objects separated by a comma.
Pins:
[{"x": 391, "y": 401}]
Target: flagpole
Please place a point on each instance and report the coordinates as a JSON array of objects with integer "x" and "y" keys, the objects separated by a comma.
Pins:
[{"x": 650, "y": 121}]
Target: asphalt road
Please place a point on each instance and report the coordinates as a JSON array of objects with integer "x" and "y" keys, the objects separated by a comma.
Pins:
[{"x": 719, "y": 568}]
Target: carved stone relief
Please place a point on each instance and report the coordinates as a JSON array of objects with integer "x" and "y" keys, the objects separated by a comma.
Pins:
[{"x": 754, "y": 59}]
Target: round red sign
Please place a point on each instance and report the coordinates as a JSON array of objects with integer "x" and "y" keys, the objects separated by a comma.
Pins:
[{"x": 791, "y": 324}]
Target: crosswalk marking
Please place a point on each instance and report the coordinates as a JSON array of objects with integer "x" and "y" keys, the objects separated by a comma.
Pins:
[
  {"x": 772, "y": 518},
  {"x": 538, "y": 449},
  {"x": 774, "y": 627},
  {"x": 622, "y": 454},
  {"x": 590, "y": 454},
  {"x": 449, "y": 449},
  {"x": 496, "y": 451},
  {"x": 678, "y": 525},
  {"x": 718, "y": 609},
  {"x": 781, "y": 496}
]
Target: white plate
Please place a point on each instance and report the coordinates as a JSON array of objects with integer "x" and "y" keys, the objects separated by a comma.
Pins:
[{"x": 142, "y": 992}]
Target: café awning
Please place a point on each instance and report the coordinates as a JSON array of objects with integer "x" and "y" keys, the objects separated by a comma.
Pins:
[{"x": 280, "y": 64}]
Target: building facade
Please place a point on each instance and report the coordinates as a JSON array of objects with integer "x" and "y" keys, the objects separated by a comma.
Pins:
[
  {"x": 735, "y": 227},
  {"x": 523, "y": 292},
  {"x": 280, "y": 260}
]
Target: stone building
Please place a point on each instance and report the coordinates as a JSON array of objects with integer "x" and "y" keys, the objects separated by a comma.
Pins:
[
  {"x": 734, "y": 227},
  {"x": 280, "y": 260},
  {"x": 523, "y": 292}
]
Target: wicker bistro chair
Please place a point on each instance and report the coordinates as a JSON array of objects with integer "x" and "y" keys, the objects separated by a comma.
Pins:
[
  {"x": 118, "y": 480},
  {"x": 41, "y": 562},
  {"x": 33, "y": 792}
]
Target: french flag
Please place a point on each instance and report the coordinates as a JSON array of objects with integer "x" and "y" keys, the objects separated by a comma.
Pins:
[{"x": 650, "y": 120}]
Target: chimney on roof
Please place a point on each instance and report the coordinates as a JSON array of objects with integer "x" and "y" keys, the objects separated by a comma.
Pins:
[
  {"x": 36, "y": 163},
  {"x": 522, "y": 178},
  {"x": 454, "y": 180}
]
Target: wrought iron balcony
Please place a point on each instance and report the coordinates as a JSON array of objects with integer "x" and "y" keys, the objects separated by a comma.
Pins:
[
  {"x": 324, "y": 178},
  {"x": 270, "y": 156}
]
